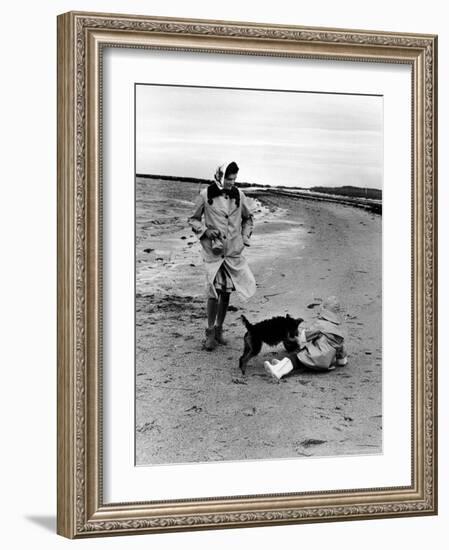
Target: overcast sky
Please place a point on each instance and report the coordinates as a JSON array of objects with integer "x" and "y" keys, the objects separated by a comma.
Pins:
[{"x": 276, "y": 138}]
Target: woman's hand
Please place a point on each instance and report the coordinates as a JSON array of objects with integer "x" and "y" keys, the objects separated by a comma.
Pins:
[{"x": 212, "y": 233}]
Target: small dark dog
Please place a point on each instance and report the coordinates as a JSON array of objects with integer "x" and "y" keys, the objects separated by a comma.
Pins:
[{"x": 272, "y": 332}]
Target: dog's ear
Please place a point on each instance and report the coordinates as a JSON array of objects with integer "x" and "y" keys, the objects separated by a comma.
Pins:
[
  {"x": 288, "y": 316},
  {"x": 299, "y": 321}
]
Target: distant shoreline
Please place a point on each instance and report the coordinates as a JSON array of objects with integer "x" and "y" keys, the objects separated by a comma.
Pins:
[
  {"x": 360, "y": 197},
  {"x": 371, "y": 205}
]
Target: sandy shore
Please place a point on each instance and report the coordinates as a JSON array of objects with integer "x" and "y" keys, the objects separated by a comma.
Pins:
[{"x": 193, "y": 405}]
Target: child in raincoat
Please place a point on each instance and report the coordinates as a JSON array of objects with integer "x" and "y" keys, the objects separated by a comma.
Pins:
[{"x": 321, "y": 347}]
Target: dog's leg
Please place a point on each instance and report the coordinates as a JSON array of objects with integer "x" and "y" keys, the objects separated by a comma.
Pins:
[
  {"x": 291, "y": 345},
  {"x": 252, "y": 348},
  {"x": 246, "y": 352}
]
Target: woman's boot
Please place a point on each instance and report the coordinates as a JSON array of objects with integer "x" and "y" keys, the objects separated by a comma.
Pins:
[{"x": 210, "y": 342}]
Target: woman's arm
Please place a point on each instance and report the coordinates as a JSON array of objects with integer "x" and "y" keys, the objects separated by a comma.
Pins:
[
  {"x": 247, "y": 219},
  {"x": 196, "y": 219}
]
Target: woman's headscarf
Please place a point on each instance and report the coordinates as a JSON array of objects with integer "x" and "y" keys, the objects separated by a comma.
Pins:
[
  {"x": 220, "y": 174},
  {"x": 217, "y": 188}
]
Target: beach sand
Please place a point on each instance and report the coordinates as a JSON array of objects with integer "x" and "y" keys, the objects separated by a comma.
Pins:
[{"x": 195, "y": 406}]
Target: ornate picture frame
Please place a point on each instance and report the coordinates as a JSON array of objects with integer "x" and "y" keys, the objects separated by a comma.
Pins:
[{"x": 82, "y": 39}]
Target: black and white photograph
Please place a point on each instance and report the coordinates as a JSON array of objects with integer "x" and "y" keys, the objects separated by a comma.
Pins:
[{"x": 258, "y": 274}]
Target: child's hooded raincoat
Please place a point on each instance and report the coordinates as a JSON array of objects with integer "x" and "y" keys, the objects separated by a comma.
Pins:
[{"x": 323, "y": 344}]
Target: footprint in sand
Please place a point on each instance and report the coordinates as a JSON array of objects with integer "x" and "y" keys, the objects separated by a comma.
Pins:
[{"x": 311, "y": 442}]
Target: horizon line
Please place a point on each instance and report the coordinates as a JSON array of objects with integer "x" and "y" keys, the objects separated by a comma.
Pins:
[{"x": 195, "y": 179}]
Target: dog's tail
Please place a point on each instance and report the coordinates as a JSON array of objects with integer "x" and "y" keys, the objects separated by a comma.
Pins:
[{"x": 245, "y": 321}]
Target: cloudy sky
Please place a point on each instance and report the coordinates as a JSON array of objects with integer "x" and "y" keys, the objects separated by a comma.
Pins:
[{"x": 276, "y": 137}]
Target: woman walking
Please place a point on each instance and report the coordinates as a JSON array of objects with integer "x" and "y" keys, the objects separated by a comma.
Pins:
[{"x": 223, "y": 223}]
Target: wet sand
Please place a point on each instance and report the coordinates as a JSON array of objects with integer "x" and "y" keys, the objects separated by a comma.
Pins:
[{"x": 195, "y": 406}]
